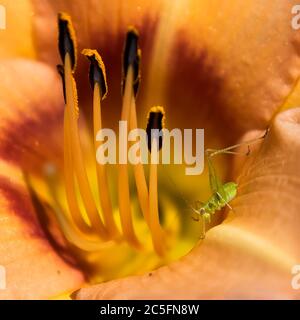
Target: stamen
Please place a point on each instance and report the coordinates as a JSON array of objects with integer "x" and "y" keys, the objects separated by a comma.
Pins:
[
  {"x": 98, "y": 83},
  {"x": 77, "y": 156},
  {"x": 131, "y": 74},
  {"x": 156, "y": 118},
  {"x": 133, "y": 54},
  {"x": 68, "y": 53}
]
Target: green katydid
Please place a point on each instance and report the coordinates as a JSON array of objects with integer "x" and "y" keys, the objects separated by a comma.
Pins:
[{"x": 222, "y": 194}]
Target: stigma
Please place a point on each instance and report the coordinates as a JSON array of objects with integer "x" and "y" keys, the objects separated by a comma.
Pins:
[{"x": 92, "y": 222}]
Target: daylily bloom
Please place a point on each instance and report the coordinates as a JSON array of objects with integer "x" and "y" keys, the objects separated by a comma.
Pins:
[{"x": 230, "y": 67}]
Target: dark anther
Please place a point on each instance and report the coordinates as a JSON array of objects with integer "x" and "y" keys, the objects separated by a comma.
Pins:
[
  {"x": 132, "y": 57},
  {"x": 97, "y": 71},
  {"x": 154, "y": 128},
  {"x": 66, "y": 39}
]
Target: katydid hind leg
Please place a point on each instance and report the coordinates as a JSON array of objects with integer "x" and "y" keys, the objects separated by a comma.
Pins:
[
  {"x": 214, "y": 181},
  {"x": 228, "y": 150}
]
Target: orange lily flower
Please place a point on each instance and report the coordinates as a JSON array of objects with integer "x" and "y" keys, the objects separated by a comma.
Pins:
[{"x": 228, "y": 67}]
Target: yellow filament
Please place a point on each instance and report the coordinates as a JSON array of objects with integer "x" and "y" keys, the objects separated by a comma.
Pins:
[
  {"x": 101, "y": 172},
  {"x": 155, "y": 227},
  {"x": 138, "y": 170},
  {"x": 69, "y": 181},
  {"x": 78, "y": 239},
  {"x": 84, "y": 187},
  {"x": 83, "y": 241},
  {"x": 148, "y": 205},
  {"x": 123, "y": 186},
  {"x": 89, "y": 243}
]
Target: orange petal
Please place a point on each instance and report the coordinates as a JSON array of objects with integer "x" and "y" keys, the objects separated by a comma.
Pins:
[
  {"x": 16, "y": 38},
  {"x": 97, "y": 24},
  {"x": 31, "y": 115},
  {"x": 34, "y": 270},
  {"x": 230, "y": 63},
  {"x": 252, "y": 253},
  {"x": 235, "y": 62}
]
